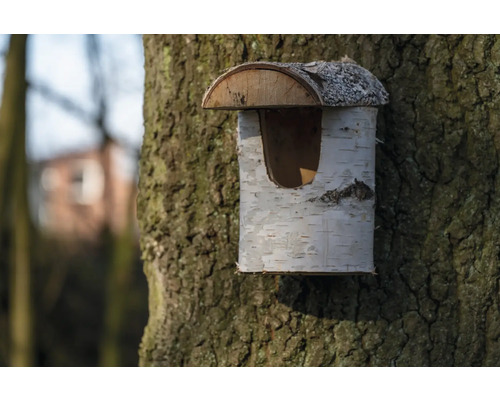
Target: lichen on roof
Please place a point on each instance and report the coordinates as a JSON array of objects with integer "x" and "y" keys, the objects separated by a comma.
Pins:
[{"x": 342, "y": 83}]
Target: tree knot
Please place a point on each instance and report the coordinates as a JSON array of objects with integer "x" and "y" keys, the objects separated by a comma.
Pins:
[{"x": 358, "y": 190}]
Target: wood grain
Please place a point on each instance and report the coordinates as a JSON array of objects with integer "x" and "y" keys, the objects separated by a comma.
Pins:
[{"x": 258, "y": 88}]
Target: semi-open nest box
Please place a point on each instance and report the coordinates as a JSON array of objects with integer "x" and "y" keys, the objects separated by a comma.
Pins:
[{"x": 306, "y": 148}]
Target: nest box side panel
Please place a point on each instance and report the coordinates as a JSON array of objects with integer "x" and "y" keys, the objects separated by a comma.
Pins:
[
  {"x": 324, "y": 227},
  {"x": 258, "y": 88}
]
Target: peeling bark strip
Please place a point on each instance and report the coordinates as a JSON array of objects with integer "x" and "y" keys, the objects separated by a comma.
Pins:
[{"x": 358, "y": 190}]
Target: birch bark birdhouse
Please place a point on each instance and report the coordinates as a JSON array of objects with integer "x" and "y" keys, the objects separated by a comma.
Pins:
[{"x": 306, "y": 150}]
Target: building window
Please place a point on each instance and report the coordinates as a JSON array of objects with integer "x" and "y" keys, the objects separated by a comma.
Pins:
[
  {"x": 86, "y": 182},
  {"x": 50, "y": 179}
]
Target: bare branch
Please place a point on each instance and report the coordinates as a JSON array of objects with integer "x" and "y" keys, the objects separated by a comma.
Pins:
[
  {"x": 98, "y": 85},
  {"x": 62, "y": 101},
  {"x": 77, "y": 110}
]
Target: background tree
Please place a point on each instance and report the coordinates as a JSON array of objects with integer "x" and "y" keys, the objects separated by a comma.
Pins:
[
  {"x": 64, "y": 299},
  {"x": 14, "y": 208},
  {"x": 435, "y": 300}
]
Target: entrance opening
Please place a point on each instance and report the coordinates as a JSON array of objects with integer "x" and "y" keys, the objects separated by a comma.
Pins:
[{"x": 292, "y": 144}]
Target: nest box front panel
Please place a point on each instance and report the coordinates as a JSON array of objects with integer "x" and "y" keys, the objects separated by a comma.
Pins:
[{"x": 320, "y": 227}]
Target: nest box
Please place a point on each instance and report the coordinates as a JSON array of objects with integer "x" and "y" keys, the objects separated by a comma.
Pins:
[{"x": 306, "y": 150}]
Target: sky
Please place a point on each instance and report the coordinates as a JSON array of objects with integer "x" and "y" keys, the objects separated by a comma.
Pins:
[{"x": 61, "y": 63}]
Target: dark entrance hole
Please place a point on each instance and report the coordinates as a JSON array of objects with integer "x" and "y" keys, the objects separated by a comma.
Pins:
[{"x": 292, "y": 144}]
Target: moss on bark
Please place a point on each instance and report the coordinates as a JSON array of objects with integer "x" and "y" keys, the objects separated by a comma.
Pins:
[{"x": 435, "y": 300}]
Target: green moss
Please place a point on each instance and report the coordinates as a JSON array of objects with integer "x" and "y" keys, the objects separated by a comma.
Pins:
[{"x": 167, "y": 61}]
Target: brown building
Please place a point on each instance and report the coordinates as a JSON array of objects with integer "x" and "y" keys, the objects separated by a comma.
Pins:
[{"x": 78, "y": 195}]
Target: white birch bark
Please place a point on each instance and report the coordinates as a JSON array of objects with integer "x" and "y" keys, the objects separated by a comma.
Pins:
[{"x": 285, "y": 230}]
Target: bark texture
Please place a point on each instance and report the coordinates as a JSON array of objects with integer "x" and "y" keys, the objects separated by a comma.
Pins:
[{"x": 435, "y": 300}]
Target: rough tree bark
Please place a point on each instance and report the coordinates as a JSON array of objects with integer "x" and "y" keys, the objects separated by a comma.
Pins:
[{"x": 435, "y": 300}]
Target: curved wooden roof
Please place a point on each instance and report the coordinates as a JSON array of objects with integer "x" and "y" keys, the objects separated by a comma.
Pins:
[{"x": 282, "y": 85}]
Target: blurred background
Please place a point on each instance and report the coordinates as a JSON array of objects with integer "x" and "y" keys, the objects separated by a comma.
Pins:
[{"x": 72, "y": 290}]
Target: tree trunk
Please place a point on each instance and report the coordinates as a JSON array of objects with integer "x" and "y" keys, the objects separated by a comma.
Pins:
[
  {"x": 14, "y": 196},
  {"x": 122, "y": 260},
  {"x": 435, "y": 299},
  {"x": 11, "y": 113}
]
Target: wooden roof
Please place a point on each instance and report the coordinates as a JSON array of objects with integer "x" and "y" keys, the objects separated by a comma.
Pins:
[{"x": 281, "y": 85}]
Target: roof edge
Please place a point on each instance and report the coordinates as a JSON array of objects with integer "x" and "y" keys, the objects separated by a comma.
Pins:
[
  {"x": 264, "y": 65},
  {"x": 331, "y": 84}
]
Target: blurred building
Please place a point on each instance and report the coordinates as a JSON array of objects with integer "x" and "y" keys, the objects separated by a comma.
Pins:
[{"x": 80, "y": 194}]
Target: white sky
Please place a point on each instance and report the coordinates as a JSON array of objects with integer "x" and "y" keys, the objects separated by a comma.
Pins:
[{"x": 60, "y": 62}]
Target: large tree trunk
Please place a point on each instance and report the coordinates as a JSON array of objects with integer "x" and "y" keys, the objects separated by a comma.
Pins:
[{"x": 435, "y": 300}]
